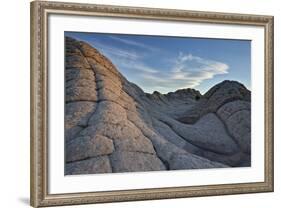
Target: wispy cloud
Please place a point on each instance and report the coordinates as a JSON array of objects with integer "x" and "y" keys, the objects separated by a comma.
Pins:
[
  {"x": 124, "y": 58},
  {"x": 144, "y": 68},
  {"x": 188, "y": 71},
  {"x": 116, "y": 52},
  {"x": 135, "y": 43},
  {"x": 190, "y": 67}
]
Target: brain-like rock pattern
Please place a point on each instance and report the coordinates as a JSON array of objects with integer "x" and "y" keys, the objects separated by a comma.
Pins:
[
  {"x": 237, "y": 118},
  {"x": 111, "y": 125}
]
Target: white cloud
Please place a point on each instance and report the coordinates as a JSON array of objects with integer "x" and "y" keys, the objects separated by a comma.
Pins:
[
  {"x": 134, "y": 43},
  {"x": 115, "y": 52},
  {"x": 144, "y": 68},
  {"x": 188, "y": 71},
  {"x": 123, "y": 58}
]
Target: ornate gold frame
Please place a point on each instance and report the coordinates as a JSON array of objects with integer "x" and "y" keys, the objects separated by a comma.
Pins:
[{"x": 39, "y": 103}]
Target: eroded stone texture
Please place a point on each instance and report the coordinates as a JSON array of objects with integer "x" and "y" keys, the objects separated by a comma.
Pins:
[
  {"x": 108, "y": 112},
  {"x": 208, "y": 133},
  {"x": 123, "y": 161},
  {"x": 239, "y": 126},
  {"x": 86, "y": 147},
  {"x": 89, "y": 166},
  {"x": 230, "y": 108},
  {"x": 217, "y": 96},
  {"x": 189, "y": 161},
  {"x": 81, "y": 90},
  {"x": 138, "y": 144},
  {"x": 78, "y": 113},
  {"x": 237, "y": 117},
  {"x": 76, "y": 61},
  {"x": 77, "y": 74}
]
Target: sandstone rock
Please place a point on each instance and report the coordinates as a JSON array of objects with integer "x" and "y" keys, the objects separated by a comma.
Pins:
[
  {"x": 72, "y": 46},
  {"x": 237, "y": 117},
  {"x": 87, "y": 50},
  {"x": 239, "y": 126},
  {"x": 89, "y": 166},
  {"x": 72, "y": 50},
  {"x": 228, "y": 90},
  {"x": 108, "y": 84},
  {"x": 76, "y": 61},
  {"x": 106, "y": 94},
  {"x": 164, "y": 149},
  {"x": 233, "y": 160},
  {"x": 87, "y": 147},
  {"x": 78, "y": 93},
  {"x": 118, "y": 131},
  {"x": 78, "y": 113},
  {"x": 230, "y": 108},
  {"x": 97, "y": 64},
  {"x": 208, "y": 133},
  {"x": 189, "y": 161},
  {"x": 217, "y": 96},
  {"x": 76, "y": 73},
  {"x": 85, "y": 83},
  {"x": 71, "y": 133},
  {"x": 113, "y": 131},
  {"x": 127, "y": 102},
  {"x": 108, "y": 112},
  {"x": 81, "y": 87},
  {"x": 123, "y": 161},
  {"x": 139, "y": 144},
  {"x": 184, "y": 94},
  {"x": 171, "y": 136},
  {"x": 140, "y": 119}
]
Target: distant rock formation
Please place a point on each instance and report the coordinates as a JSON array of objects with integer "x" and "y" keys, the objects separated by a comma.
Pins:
[{"x": 111, "y": 125}]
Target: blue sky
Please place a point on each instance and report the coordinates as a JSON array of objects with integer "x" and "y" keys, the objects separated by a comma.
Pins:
[{"x": 165, "y": 64}]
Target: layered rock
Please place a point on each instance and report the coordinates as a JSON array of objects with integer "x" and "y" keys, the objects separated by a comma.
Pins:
[{"x": 111, "y": 125}]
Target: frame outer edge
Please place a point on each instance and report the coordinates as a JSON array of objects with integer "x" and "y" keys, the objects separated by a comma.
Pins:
[
  {"x": 272, "y": 105},
  {"x": 269, "y": 104},
  {"x": 33, "y": 102},
  {"x": 32, "y": 156},
  {"x": 38, "y": 195},
  {"x": 271, "y": 98}
]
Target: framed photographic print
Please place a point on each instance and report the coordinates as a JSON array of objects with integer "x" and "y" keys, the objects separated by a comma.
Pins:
[{"x": 140, "y": 103}]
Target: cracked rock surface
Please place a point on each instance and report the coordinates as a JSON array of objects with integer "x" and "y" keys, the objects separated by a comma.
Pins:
[{"x": 111, "y": 125}]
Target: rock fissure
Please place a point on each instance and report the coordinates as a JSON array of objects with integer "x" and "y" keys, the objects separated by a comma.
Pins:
[
  {"x": 226, "y": 129},
  {"x": 158, "y": 156},
  {"x": 192, "y": 142},
  {"x": 74, "y": 101},
  {"x": 233, "y": 114}
]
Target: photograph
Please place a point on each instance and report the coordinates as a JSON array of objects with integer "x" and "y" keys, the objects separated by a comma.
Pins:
[{"x": 137, "y": 103}]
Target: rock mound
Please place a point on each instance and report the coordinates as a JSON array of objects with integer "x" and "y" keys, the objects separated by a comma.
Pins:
[{"x": 111, "y": 125}]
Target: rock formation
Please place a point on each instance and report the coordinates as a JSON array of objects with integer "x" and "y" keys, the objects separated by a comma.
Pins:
[{"x": 111, "y": 125}]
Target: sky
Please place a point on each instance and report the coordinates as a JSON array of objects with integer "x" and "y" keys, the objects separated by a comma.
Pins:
[{"x": 166, "y": 64}]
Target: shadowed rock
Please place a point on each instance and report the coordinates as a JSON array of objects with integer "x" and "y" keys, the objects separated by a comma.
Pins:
[
  {"x": 216, "y": 97},
  {"x": 87, "y": 147},
  {"x": 111, "y": 125},
  {"x": 89, "y": 166},
  {"x": 123, "y": 161}
]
